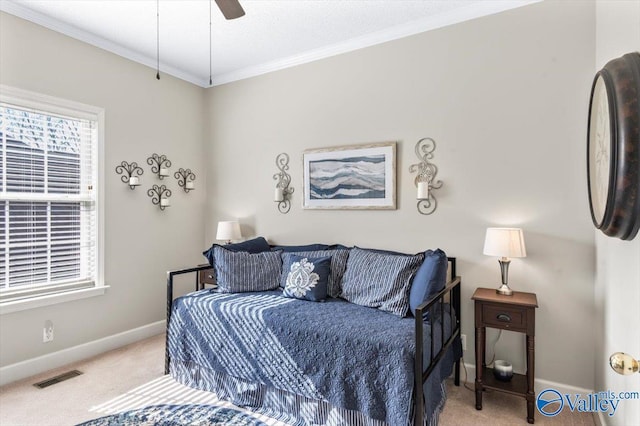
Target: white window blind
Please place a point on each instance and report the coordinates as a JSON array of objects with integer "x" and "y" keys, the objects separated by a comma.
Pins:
[{"x": 48, "y": 223}]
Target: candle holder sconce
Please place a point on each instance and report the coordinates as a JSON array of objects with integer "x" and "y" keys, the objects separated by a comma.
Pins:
[
  {"x": 283, "y": 192},
  {"x": 128, "y": 170},
  {"x": 425, "y": 179},
  {"x": 160, "y": 196},
  {"x": 159, "y": 165},
  {"x": 186, "y": 179}
]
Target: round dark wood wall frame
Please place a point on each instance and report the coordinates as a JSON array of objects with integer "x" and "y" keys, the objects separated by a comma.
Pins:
[{"x": 621, "y": 218}]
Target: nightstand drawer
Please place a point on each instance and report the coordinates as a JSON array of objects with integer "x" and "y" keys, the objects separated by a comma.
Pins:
[
  {"x": 207, "y": 277},
  {"x": 505, "y": 317}
]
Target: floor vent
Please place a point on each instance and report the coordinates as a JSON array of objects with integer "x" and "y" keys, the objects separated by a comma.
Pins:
[{"x": 57, "y": 379}]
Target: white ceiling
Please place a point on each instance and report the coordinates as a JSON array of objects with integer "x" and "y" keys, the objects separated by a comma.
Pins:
[{"x": 274, "y": 34}]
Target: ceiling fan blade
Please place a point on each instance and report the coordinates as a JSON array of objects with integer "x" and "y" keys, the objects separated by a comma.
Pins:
[{"x": 231, "y": 9}]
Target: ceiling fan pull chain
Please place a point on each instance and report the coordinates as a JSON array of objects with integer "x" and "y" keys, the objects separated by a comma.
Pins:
[
  {"x": 210, "y": 48},
  {"x": 158, "y": 39}
]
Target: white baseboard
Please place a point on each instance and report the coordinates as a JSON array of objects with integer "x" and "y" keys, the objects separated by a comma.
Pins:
[
  {"x": 539, "y": 384},
  {"x": 30, "y": 367}
]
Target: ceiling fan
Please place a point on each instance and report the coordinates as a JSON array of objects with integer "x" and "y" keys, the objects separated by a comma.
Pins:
[{"x": 231, "y": 9}]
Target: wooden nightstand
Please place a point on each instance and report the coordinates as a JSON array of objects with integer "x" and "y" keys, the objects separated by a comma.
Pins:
[{"x": 513, "y": 313}]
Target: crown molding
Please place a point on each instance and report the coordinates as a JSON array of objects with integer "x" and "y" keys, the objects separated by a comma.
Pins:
[{"x": 473, "y": 11}]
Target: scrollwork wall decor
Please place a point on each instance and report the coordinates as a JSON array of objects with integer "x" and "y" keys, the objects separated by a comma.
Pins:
[
  {"x": 186, "y": 179},
  {"x": 128, "y": 170},
  {"x": 283, "y": 192},
  {"x": 159, "y": 165},
  {"x": 425, "y": 180},
  {"x": 160, "y": 196}
]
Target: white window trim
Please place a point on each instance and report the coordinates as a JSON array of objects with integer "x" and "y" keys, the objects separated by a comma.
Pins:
[
  {"x": 51, "y": 299},
  {"x": 64, "y": 106}
]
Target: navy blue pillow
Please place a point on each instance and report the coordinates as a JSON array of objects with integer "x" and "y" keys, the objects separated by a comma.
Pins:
[
  {"x": 338, "y": 265},
  {"x": 308, "y": 247},
  {"x": 338, "y": 247},
  {"x": 430, "y": 278},
  {"x": 307, "y": 278},
  {"x": 256, "y": 245}
]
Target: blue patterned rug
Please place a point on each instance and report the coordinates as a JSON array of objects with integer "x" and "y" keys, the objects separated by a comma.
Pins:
[{"x": 174, "y": 415}]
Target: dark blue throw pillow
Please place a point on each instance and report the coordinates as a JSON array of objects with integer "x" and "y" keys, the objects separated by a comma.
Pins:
[
  {"x": 430, "y": 278},
  {"x": 256, "y": 245},
  {"x": 307, "y": 247},
  {"x": 310, "y": 247},
  {"x": 338, "y": 265},
  {"x": 307, "y": 278}
]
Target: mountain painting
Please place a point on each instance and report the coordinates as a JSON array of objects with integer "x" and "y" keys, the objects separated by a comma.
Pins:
[
  {"x": 347, "y": 178},
  {"x": 350, "y": 177}
]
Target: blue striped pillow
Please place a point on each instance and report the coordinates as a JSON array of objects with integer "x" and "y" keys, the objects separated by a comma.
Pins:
[
  {"x": 241, "y": 271},
  {"x": 256, "y": 245},
  {"x": 338, "y": 265},
  {"x": 380, "y": 280}
]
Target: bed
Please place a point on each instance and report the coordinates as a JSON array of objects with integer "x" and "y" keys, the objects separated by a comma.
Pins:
[{"x": 303, "y": 363}]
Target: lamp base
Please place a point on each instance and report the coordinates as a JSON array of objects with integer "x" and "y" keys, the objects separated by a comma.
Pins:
[{"x": 504, "y": 290}]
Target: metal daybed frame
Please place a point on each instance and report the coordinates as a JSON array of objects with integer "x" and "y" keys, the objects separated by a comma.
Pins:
[{"x": 450, "y": 294}]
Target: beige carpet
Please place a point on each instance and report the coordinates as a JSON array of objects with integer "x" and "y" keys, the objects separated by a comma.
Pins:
[{"x": 132, "y": 377}]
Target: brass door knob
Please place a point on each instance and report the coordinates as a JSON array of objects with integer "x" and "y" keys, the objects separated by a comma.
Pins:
[{"x": 623, "y": 363}]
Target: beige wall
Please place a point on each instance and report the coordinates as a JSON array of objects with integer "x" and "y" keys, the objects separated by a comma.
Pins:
[
  {"x": 142, "y": 116},
  {"x": 617, "y": 290},
  {"x": 505, "y": 97}
]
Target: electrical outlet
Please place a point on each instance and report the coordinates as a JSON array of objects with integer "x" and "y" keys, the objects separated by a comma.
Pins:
[
  {"x": 47, "y": 332},
  {"x": 463, "y": 337}
]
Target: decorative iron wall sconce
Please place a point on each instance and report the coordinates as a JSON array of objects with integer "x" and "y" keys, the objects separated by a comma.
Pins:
[
  {"x": 186, "y": 179},
  {"x": 282, "y": 194},
  {"x": 127, "y": 170},
  {"x": 425, "y": 179},
  {"x": 159, "y": 165},
  {"x": 160, "y": 196}
]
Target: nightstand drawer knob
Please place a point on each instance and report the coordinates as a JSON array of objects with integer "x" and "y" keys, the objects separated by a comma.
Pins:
[
  {"x": 210, "y": 276},
  {"x": 504, "y": 318}
]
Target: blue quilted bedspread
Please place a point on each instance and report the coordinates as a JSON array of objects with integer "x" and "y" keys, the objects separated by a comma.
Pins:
[{"x": 353, "y": 357}]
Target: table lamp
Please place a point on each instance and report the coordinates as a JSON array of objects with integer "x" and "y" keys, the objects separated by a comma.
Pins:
[
  {"x": 228, "y": 230},
  {"x": 504, "y": 243}
]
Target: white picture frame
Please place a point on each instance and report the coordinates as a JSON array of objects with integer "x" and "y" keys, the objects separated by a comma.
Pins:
[{"x": 350, "y": 177}]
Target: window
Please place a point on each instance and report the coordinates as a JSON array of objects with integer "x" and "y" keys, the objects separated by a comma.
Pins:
[{"x": 49, "y": 216}]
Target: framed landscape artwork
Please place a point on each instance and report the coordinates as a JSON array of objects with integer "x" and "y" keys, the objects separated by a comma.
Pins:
[{"x": 350, "y": 177}]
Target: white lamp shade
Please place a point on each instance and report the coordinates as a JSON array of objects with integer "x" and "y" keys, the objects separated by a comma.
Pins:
[
  {"x": 228, "y": 231},
  {"x": 504, "y": 242}
]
